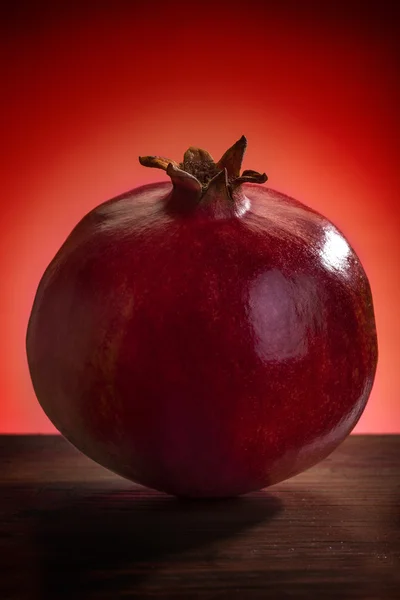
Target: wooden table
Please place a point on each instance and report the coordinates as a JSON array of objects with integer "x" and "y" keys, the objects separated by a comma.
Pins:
[{"x": 71, "y": 529}]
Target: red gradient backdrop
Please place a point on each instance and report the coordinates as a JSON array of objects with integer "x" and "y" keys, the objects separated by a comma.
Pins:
[{"x": 86, "y": 90}]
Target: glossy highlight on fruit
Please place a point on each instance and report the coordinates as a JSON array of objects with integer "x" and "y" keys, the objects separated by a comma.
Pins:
[{"x": 205, "y": 336}]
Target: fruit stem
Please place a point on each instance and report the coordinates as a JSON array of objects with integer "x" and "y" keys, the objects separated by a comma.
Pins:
[{"x": 198, "y": 181}]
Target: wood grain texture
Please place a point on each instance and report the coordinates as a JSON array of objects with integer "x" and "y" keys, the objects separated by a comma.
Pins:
[{"x": 71, "y": 529}]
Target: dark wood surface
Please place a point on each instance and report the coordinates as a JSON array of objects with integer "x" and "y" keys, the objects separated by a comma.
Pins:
[{"x": 71, "y": 529}]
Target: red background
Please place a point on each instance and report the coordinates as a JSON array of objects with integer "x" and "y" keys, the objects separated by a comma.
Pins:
[{"x": 87, "y": 88}]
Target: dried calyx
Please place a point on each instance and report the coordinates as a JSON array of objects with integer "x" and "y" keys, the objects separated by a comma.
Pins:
[{"x": 207, "y": 182}]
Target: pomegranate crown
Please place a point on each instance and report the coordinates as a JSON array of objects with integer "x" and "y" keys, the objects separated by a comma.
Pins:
[{"x": 202, "y": 176}]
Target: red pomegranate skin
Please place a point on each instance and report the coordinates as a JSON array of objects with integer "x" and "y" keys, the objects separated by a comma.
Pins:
[{"x": 200, "y": 354}]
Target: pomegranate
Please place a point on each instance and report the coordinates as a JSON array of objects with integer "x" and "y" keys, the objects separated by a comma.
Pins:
[{"x": 205, "y": 337}]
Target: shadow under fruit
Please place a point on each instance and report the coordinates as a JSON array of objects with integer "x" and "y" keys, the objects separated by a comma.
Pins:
[{"x": 205, "y": 337}]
